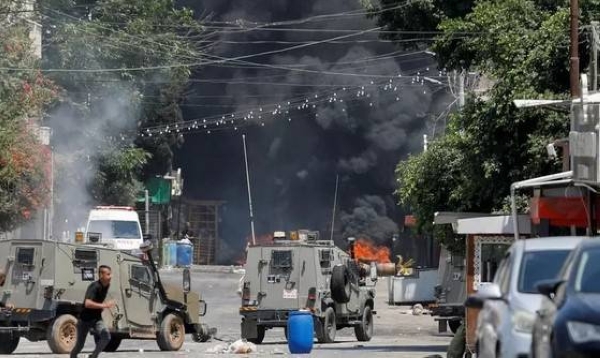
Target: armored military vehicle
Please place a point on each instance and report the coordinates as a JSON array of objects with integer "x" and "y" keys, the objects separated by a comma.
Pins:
[
  {"x": 46, "y": 282},
  {"x": 301, "y": 272},
  {"x": 450, "y": 292}
]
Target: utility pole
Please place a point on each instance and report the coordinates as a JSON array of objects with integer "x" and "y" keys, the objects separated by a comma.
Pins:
[
  {"x": 594, "y": 56},
  {"x": 249, "y": 193},
  {"x": 337, "y": 177},
  {"x": 574, "y": 50}
]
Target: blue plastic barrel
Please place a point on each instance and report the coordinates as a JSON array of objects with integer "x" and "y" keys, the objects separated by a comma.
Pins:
[
  {"x": 172, "y": 253},
  {"x": 184, "y": 254},
  {"x": 300, "y": 332}
]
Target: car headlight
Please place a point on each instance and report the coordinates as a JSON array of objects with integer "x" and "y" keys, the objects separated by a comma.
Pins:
[
  {"x": 523, "y": 321},
  {"x": 583, "y": 332}
]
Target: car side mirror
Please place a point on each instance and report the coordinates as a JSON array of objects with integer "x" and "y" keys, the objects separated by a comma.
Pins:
[
  {"x": 486, "y": 291},
  {"x": 548, "y": 288},
  {"x": 147, "y": 237},
  {"x": 187, "y": 280}
]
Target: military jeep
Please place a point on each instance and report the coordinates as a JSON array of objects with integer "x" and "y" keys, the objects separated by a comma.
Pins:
[
  {"x": 46, "y": 282},
  {"x": 301, "y": 272}
]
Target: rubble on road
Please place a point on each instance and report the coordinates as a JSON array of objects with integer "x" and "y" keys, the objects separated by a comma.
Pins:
[
  {"x": 241, "y": 346},
  {"x": 417, "y": 310}
]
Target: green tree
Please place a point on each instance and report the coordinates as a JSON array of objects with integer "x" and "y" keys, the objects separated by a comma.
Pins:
[
  {"x": 108, "y": 107},
  {"x": 415, "y": 19},
  {"x": 522, "y": 48},
  {"x": 24, "y": 184}
]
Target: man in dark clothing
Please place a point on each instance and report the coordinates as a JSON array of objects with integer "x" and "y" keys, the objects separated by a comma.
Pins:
[{"x": 91, "y": 315}]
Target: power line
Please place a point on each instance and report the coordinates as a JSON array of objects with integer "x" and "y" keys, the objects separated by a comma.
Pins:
[
  {"x": 257, "y": 116},
  {"x": 343, "y": 42},
  {"x": 238, "y": 23},
  {"x": 351, "y": 13},
  {"x": 200, "y": 63},
  {"x": 321, "y": 30},
  {"x": 221, "y": 59}
]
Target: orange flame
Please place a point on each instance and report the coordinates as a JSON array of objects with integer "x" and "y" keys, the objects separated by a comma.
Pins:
[{"x": 365, "y": 250}]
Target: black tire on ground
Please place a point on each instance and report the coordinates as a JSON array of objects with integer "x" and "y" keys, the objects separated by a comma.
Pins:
[
  {"x": 8, "y": 342},
  {"x": 171, "y": 334},
  {"x": 454, "y": 324},
  {"x": 260, "y": 335},
  {"x": 113, "y": 345},
  {"x": 329, "y": 327},
  {"x": 364, "y": 331},
  {"x": 340, "y": 284},
  {"x": 62, "y": 334}
]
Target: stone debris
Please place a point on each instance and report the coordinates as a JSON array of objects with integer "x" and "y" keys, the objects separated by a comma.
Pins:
[
  {"x": 417, "y": 309},
  {"x": 241, "y": 346}
]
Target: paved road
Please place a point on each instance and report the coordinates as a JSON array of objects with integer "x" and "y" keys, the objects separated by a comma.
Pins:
[{"x": 397, "y": 334}]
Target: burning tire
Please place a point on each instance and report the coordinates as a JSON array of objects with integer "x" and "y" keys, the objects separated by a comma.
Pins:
[
  {"x": 62, "y": 334},
  {"x": 340, "y": 284},
  {"x": 171, "y": 334}
]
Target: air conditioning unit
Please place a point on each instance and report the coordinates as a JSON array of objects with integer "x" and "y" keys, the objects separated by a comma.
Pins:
[{"x": 583, "y": 141}]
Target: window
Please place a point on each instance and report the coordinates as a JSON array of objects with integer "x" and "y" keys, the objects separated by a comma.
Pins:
[
  {"x": 325, "y": 258},
  {"x": 83, "y": 258},
  {"x": 115, "y": 229},
  {"x": 491, "y": 254},
  {"x": 586, "y": 279},
  {"x": 281, "y": 259},
  {"x": 25, "y": 256},
  {"x": 503, "y": 275},
  {"x": 140, "y": 274},
  {"x": 565, "y": 271},
  {"x": 539, "y": 265}
]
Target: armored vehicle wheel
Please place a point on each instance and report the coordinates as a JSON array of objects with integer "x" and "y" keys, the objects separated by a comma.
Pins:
[
  {"x": 260, "y": 335},
  {"x": 364, "y": 331},
  {"x": 340, "y": 284},
  {"x": 8, "y": 343},
  {"x": 329, "y": 327},
  {"x": 454, "y": 325},
  {"x": 62, "y": 334},
  {"x": 172, "y": 333}
]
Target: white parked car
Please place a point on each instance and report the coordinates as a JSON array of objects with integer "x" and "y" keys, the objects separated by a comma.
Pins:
[{"x": 508, "y": 304}]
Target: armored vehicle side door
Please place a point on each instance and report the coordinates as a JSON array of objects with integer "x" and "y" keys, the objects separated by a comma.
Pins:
[
  {"x": 139, "y": 297},
  {"x": 25, "y": 276},
  {"x": 279, "y": 274}
]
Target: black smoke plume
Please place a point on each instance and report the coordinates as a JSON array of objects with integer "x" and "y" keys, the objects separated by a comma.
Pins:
[{"x": 360, "y": 130}]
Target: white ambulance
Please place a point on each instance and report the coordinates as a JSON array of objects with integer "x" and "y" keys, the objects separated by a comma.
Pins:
[{"x": 117, "y": 227}]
